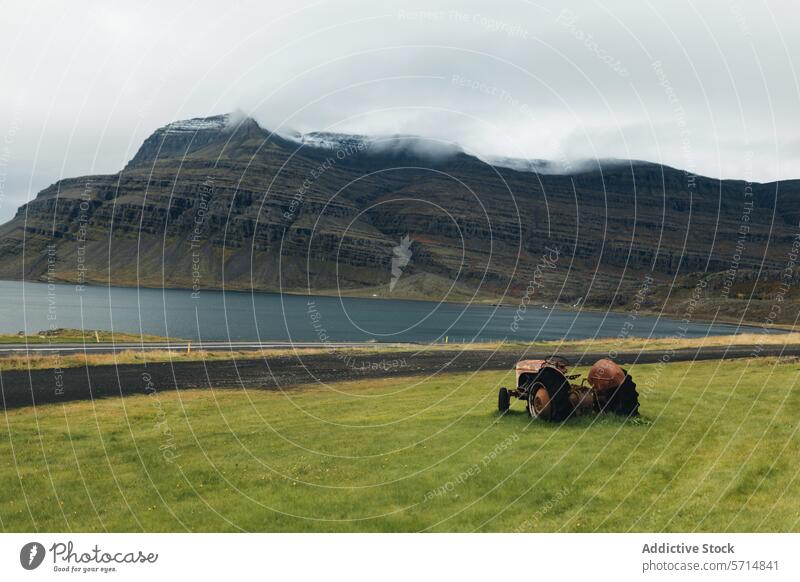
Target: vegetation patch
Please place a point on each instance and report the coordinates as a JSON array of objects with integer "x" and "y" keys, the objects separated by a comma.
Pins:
[{"x": 716, "y": 450}]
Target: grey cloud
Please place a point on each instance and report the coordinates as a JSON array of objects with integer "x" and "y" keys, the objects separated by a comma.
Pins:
[{"x": 85, "y": 83}]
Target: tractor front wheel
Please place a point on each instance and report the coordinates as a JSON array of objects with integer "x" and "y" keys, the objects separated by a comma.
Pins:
[{"x": 503, "y": 400}]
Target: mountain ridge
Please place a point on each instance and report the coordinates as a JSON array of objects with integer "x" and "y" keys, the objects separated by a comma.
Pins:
[{"x": 257, "y": 210}]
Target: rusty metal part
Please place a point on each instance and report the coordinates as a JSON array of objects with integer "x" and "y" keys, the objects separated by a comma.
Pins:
[
  {"x": 559, "y": 363},
  {"x": 581, "y": 399},
  {"x": 602, "y": 397},
  {"x": 529, "y": 367},
  {"x": 605, "y": 375},
  {"x": 536, "y": 366},
  {"x": 539, "y": 403}
]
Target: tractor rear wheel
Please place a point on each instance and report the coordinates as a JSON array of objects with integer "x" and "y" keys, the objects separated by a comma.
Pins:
[
  {"x": 539, "y": 402},
  {"x": 503, "y": 400},
  {"x": 624, "y": 399},
  {"x": 548, "y": 397}
]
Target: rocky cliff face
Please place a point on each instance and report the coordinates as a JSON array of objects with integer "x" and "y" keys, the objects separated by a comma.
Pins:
[{"x": 220, "y": 202}]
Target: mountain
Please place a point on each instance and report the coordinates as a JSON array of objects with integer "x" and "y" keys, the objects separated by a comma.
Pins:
[{"x": 221, "y": 202}]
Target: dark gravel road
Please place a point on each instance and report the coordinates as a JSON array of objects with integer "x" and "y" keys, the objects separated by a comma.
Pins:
[{"x": 24, "y": 388}]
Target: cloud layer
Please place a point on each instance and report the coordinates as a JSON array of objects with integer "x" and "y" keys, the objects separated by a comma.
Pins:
[{"x": 709, "y": 86}]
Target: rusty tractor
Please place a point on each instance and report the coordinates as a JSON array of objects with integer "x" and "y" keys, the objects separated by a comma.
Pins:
[{"x": 550, "y": 393}]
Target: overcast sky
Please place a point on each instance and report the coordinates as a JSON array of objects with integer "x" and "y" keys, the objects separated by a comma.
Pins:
[{"x": 707, "y": 85}]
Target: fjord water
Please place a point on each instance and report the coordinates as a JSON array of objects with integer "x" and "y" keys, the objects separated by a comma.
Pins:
[{"x": 218, "y": 315}]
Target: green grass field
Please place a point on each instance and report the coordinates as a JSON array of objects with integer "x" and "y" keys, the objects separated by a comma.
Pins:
[{"x": 716, "y": 450}]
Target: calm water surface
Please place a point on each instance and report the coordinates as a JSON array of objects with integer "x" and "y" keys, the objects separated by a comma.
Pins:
[{"x": 218, "y": 315}]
